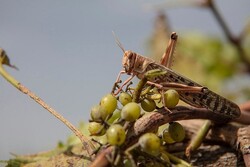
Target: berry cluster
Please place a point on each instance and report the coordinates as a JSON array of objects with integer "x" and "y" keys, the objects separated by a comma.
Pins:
[{"x": 111, "y": 117}]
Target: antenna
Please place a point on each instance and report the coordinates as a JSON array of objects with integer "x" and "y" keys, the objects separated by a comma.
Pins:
[{"x": 118, "y": 42}]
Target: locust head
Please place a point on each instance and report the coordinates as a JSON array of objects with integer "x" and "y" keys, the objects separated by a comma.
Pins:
[
  {"x": 131, "y": 62},
  {"x": 128, "y": 61}
]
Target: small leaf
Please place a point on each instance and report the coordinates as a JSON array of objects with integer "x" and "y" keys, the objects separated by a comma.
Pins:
[{"x": 5, "y": 59}]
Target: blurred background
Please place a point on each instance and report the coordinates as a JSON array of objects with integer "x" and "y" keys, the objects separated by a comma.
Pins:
[{"x": 67, "y": 55}]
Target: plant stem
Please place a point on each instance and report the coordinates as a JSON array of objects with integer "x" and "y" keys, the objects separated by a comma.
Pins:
[
  {"x": 198, "y": 138},
  {"x": 175, "y": 159},
  {"x": 8, "y": 77},
  {"x": 138, "y": 90},
  {"x": 85, "y": 141}
]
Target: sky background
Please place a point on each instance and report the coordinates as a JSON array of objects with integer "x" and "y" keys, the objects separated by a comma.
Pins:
[{"x": 66, "y": 54}]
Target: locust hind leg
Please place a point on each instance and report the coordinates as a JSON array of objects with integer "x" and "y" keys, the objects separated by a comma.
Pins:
[
  {"x": 182, "y": 89},
  {"x": 167, "y": 57},
  {"x": 177, "y": 86}
]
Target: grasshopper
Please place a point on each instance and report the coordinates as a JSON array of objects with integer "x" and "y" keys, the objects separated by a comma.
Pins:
[{"x": 190, "y": 92}]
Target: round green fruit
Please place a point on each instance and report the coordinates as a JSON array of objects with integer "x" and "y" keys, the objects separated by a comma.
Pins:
[
  {"x": 116, "y": 135},
  {"x": 131, "y": 111},
  {"x": 96, "y": 129},
  {"x": 95, "y": 113},
  {"x": 150, "y": 143},
  {"x": 125, "y": 98},
  {"x": 148, "y": 105},
  {"x": 171, "y": 98},
  {"x": 176, "y": 131},
  {"x": 109, "y": 103}
]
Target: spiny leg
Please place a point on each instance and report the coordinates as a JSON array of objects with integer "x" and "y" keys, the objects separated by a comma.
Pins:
[{"x": 177, "y": 87}]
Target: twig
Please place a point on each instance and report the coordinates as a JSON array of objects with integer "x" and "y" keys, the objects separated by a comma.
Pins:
[
  {"x": 235, "y": 41},
  {"x": 245, "y": 106},
  {"x": 245, "y": 113}
]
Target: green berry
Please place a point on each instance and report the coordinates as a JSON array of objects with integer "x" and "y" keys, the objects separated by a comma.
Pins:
[
  {"x": 96, "y": 129},
  {"x": 171, "y": 98},
  {"x": 131, "y": 111},
  {"x": 148, "y": 105},
  {"x": 104, "y": 113},
  {"x": 150, "y": 143},
  {"x": 116, "y": 115},
  {"x": 95, "y": 113},
  {"x": 109, "y": 103},
  {"x": 125, "y": 98},
  {"x": 116, "y": 135},
  {"x": 176, "y": 131}
]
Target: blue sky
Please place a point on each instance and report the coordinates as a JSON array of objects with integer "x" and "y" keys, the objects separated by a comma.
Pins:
[{"x": 67, "y": 55}]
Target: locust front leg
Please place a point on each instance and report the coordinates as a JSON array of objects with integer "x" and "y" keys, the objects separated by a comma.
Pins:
[{"x": 123, "y": 84}]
